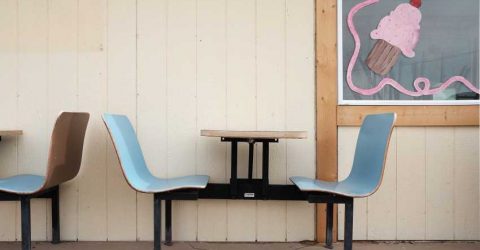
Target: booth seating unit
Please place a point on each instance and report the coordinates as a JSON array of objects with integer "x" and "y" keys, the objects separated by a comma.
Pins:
[
  {"x": 364, "y": 179},
  {"x": 64, "y": 159},
  {"x": 140, "y": 178}
]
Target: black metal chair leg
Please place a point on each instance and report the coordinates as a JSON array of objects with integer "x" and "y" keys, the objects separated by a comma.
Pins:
[
  {"x": 233, "y": 172},
  {"x": 250, "y": 158},
  {"x": 168, "y": 222},
  {"x": 56, "y": 216},
  {"x": 157, "y": 222},
  {"x": 265, "y": 159},
  {"x": 26, "y": 225},
  {"x": 329, "y": 231},
  {"x": 347, "y": 241}
]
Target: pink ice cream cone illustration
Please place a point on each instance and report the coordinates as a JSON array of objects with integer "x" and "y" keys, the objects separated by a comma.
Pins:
[{"x": 396, "y": 33}]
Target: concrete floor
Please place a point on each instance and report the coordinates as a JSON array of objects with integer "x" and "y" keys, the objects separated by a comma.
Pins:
[{"x": 242, "y": 246}]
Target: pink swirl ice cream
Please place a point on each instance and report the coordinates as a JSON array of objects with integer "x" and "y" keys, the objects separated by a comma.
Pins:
[
  {"x": 401, "y": 28},
  {"x": 396, "y": 33}
]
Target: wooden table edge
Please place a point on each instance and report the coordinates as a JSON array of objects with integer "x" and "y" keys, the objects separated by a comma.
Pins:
[
  {"x": 254, "y": 134},
  {"x": 13, "y": 132}
]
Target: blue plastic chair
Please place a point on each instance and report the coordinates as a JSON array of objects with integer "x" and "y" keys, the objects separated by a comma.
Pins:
[
  {"x": 364, "y": 179},
  {"x": 140, "y": 178},
  {"x": 65, "y": 156}
]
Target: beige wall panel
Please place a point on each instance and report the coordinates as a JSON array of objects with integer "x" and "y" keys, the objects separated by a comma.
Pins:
[
  {"x": 151, "y": 101},
  {"x": 121, "y": 96},
  {"x": 271, "y": 221},
  {"x": 241, "y": 106},
  {"x": 466, "y": 182},
  {"x": 212, "y": 220},
  {"x": 92, "y": 91},
  {"x": 241, "y": 217},
  {"x": 211, "y": 112},
  {"x": 411, "y": 200},
  {"x": 8, "y": 110},
  {"x": 271, "y": 84},
  {"x": 440, "y": 159},
  {"x": 347, "y": 140},
  {"x": 382, "y": 206},
  {"x": 300, "y": 110},
  {"x": 182, "y": 107},
  {"x": 33, "y": 100},
  {"x": 173, "y": 67},
  {"x": 63, "y": 96},
  {"x": 300, "y": 221}
]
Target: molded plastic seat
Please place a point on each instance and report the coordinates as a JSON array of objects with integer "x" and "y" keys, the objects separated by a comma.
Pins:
[
  {"x": 133, "y": 163},
  {"x": 22, "y": 184},
  {"x": 157, "y": 185},
  {"x": 368, "y": 164},
  {"x": 64, "y": 158}
]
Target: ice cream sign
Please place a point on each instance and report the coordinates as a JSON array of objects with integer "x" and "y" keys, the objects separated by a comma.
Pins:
[{"x": 396, "y": 35}]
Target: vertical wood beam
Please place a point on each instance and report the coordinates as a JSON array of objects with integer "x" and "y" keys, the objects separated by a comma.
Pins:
[{"x": 326, "y": 103}]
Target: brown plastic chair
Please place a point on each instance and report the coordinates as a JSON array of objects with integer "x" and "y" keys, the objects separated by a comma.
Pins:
[{"x": 64, "y": 159}]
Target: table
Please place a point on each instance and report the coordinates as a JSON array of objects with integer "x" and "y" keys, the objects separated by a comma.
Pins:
[
  {"x": 12, "y": 132},
  {"x": 239, "y": 188},
  {"x": 250, "y": 188}
]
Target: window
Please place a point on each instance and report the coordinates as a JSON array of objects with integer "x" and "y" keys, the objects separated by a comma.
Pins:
[{"x": 395, "y": 67}]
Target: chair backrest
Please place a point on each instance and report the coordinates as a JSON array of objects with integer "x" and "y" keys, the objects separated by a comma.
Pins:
[
  {"x": 128, "y": 151},
  {"x": 371, "y": 152},
  {"x": 66, "y": 147}
]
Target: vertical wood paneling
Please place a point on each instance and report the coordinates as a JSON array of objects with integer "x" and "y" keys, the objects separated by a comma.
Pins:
[
  {"x": 92, "y": 90},
  {"x": 440, "y": 183},
  {"x": 429, "y": 162},
  {"x": 271, "y": 220},
  {"x": 204, "y": 64},
  {"x": 300, "y": 110},
  {"x": 63, "y": 95},
  {"x": 411, "y": 171},
  {"x": 211, "y": 98},
  {"x": 33, "y": 100},
  {"x": 152, "y": 101},
  {"x": 466, "y": 183},
  {"x": 382, "y": 206},
  {"x": 241, "y": 105},
  {"x": 8, "y": 110},
  {"x": 211, "y": 112},
  {"x": 181, "y": 114},
  {"x": 212, "y": 220},
  {"x": 121, "y": 96},
  {"x": 271, "y": 84},
  {"x": 347, "y": 140}
]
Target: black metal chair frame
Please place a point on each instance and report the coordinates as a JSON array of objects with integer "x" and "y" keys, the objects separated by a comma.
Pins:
[
  {"x": 327, "y": 198},
  {"x": 237, "y": 188},
  {"x": 331, "y": 199},
  {"x": 53, "y": 195}
]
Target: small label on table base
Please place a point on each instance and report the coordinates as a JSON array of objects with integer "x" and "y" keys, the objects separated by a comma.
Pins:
[{"x": 249, "y": 195}]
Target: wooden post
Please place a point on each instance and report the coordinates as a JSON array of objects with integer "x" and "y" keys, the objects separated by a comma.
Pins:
[
  {"x": 326, "y": 102},
  {"x": 329, "y": 115}
]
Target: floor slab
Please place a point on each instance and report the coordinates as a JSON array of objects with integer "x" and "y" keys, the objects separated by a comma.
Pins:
[{"x": 242, "y": 246}]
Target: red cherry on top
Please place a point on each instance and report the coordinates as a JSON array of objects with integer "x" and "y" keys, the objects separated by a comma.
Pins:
[{"x": 416, "y": 3}]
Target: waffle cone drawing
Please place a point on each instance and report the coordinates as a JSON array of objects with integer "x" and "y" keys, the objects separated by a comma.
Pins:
[
  {"x": 396, "y": 34},
  {"x": 382, "y": 57}
]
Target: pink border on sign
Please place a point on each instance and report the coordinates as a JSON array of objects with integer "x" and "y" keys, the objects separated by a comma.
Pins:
[{"x": 422, "y": 85}]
